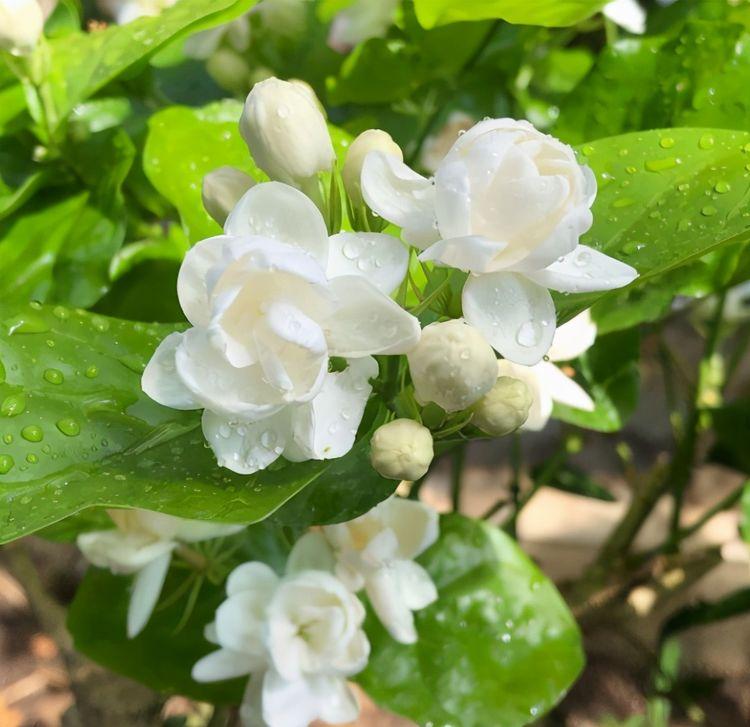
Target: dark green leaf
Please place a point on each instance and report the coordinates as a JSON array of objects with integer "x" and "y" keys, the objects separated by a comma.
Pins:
[
  {"x": 498, "y": 647},
  {"x": 700, "y": 614},
  {"x": 576, "y": 481}
]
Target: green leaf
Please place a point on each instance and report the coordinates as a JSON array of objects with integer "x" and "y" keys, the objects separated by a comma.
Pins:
[
  {"x": 571, "y": 479},
  {"x": 78, "y": 432},
  {"x": 551, "y": 13},
  {"x": 609, "y": 373},
  {"x": 81, "y": 64},
  {"x": 182, "y": 146},
  {"x": 666, "y": 199},
  {"x": 498, "y": 647},
  {"x": 731, "y": 424},
  {"x": 702, "y": 613},
  {"x": 745, "y": 513}
]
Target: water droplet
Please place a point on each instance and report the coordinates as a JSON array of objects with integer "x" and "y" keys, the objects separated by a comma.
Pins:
[
  {"x": 54, "y": 376},
  {"x": 32, "y": 433},
  {"x": 6, "y": 464},
  {"x": 529, "y": 334},
  {"x": 62, "y": 313},
  {"x": 588, "y": 150},
  {"x": 31, "y": 458},
  {"x": 631, "y": 169},
  {"x": 92, "y": 372},
  {"x": 722, "y": 187},
  {"x": 660, "y": 165},
  {"x": 582, "y": 259},
  {"x": 666, "y": 143},
  {"x": 709, "y": 210},
  {"x": 13, "y": 405},
  {"x": 706, "y": 141},
  {"x": 69, "y": 427},
  {"x": 268, "y": 438}
]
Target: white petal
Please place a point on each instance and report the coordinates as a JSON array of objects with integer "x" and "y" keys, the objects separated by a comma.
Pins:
[
  {"x": 401, "y": 196},
  {"x": 225, "y": 389},
  {"x": 541, "y": 400},
  {"x": 415, "y": 524},
  {"x": 585, "y": 270},
  {"x": 253, "y": 576},
  {"x": 311, "y": 552},
  {"x": 251, "y": 708},
  {"x": 300, "y": 702},
  {"x": 516, "y": 316},
  {"x": 367, "y": 321},
  {"x": 160, "y": 380},
  {"x": 240, "y": 622},
  {"x": 573, "y": 338},
  {"x": 245, "y": 447},
  {"x": 223, "y": 664},
  {"x": 415, "y": 584},
  {"x": 326, "y": 427},
  {"x": 472, "y": 253},
  {"x": 283, "y": 213},
  {"x": 191, "y": 280},
  {"x": 122, "y": 552},
  {"x": 382, "y": 259},
  {"x": 384, "y": 591},
  {"x": 627, "y": 14},
  {"x": 147, "y": 586},
  {"x": 563, "y": 389}
]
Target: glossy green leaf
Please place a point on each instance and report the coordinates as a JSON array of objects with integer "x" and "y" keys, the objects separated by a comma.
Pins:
[
  {"x": 609, "y": 373},
  {"x": 534, "y": 12},
  {"x": 498, "y": 647},
  {"x": 79, "y": 65},
  {"x": 78, "y": 432},
  {"x": 666, "y": 199}
]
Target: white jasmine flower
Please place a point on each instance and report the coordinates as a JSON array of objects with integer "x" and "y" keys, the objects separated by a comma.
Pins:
[
  {"x": 367, "y": 141},
  {"x": 270, "y": 302},
  {"x": 504, "y": 408},
  {"x": 401, "y": 450},
  {"x": 510, "y": 205},
  {"x": 286, "y": 133},
  {"x": 21, "y": 25},
  {"x": 300, "y": 636},
  {"x": 142, "y": 544},
  {"x": 452, "y": 365},
  {"x": 376, "y": 552},
  {"x": 360, "y": 21},
  {"x": 546, "y": 382},
  {"x": 628, "y": 14},
  {"x": 222, "y": 189}
]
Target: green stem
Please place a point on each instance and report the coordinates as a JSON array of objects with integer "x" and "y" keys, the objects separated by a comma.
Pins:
[
  {"x": 457, "y": 471},
  {"x": 515, "y": 484}
]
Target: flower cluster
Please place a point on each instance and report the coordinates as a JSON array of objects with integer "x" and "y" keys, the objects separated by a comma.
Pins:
[
  {"x": 287, "y": 309},
  {"x": 300, "y": 635}
]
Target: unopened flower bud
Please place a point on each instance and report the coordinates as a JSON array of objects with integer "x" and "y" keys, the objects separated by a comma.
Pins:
[
  {"x": 286, "y": 132},
  {"x": 21, "y": 25},
  {"x": 222, "y": 189},
  {"x": 504, "y": 408},
  {"x": 452, "y": 365},
  {"x": 401, "y": 450},
  {"x": 367, "y": 141},
  {"x": 229, "y": 69}
]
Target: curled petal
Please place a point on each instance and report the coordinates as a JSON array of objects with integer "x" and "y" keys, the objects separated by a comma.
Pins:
[
  {"x": 585, "y": 270},
  {"x": 541, "y": 399},
  {"x": 515, "y": 315},
  {"x": 254, "y": 576},
  {"x": 382, "y": 259},
  {"x": 326, "y": 427},
  {"x": 311, "y": 552},
  {"x": 282, "y": 213},
  {"x": 415, "y": 524},
  {"x": 473, "y": 253},
  {"x": 573, "y": 338},
  {"x": 224, "y": 664},
  {"x": 147, "y": 586},
  {"x": 368, "y": 322},
  {"x": 240, "y": 622},
  {"x": 400, "y": 195},
  {"x": 563, "y": 389},
  {"x": 122, "y": 552},
  {"x": 160, "y": 380},
  {"x": 245, "y": 447}
]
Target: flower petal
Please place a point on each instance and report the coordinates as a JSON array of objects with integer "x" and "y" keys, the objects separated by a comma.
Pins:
[
  {"x": 367, "y": 321},
  {"x": 160, "y": 380},
  {"x": 563, "y": 389},
  {"x": 541, "y": 400},
  {"x": 245, "y": 447},
  {"x": 573, "y": 338},
  {"x": 415, "y": 584},
  {"x": 311, "y": 552},
  {"x": 122, "y": 552},
  {"x": 383, "y": 588},
  {"x": 147, "y": 586},
  {"x": 585, "y": 270},
  {"x": 472, "y": 253},
  {"x": 516, "y": 316},
  {"x": 298, "y": 703},
  {"x": 283, "y": 213},
  {"x": 382, "y": 259},
  {"x": 416, "y": 525},
  {"x": 195, "y": 531},
  {"x": 253, "y": 576},
  {"x": 401, "y": 196},
  {"x": 240, "y": 622},
  {"x": 326, "y": 427},
  {"x": 224, "y": 664}
]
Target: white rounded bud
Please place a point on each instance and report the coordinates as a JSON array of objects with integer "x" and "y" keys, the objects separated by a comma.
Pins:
[
  {"x": 21, "y": 25},
  {"x": 222, "y": 189},
  {"x": 504, "y": 408},
  {"x": 367, "y": 141},
  {"x": 401, "y": 450},
  {"x": 286, "y": 132},
  {"x": 452, "y": 365}
]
